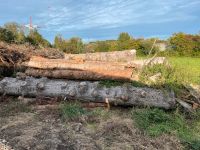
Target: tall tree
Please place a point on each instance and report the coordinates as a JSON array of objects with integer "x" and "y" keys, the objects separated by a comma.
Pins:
[
  {"x": 17, "y": 31},
  {"x": 124, "y": 40},
  {"x": 35, "y": 38},
  {"x": 6, "y": 35},
  {"x": 75, "y": 45}
]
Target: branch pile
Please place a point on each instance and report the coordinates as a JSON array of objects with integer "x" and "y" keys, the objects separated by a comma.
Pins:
[{"x": 13, "y": 54}]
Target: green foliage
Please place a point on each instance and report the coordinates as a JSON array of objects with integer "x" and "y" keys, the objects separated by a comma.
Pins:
[
  {"x": 17, "y": 31},
  {"x": 74, "y": 45},
  {"x": 71, "y": 111},
  {"x": 102, "y": 46},
  {"x": 35, "y": 38},
  {"x": 169, "y": 78},
  {"x": 185, "y": 44},
  {"x": 156, "y": 122},
  {"x": 145, "y": 46},
  {"x": 6, "y": 35},
  {"x": 124, "y": 40}
]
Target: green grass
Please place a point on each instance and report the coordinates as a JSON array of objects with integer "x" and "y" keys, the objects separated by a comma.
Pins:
[
  {"x": 187, "y": 68},
  {"x": 71, "y": 111},
  {"x": 156, "y": 122}
]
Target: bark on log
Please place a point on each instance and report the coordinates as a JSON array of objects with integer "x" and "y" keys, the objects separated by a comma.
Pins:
[
  {"x": 87, "y": 91},
  {"x": 115, "y": 56},
  {"x": 125, "y": 75}
]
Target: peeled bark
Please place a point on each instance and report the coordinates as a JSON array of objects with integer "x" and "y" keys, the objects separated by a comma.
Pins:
[
  {"x": 125, "y": 75},
  {"x": 115, "y": 56},
  {"x": 87, "y": 91}
]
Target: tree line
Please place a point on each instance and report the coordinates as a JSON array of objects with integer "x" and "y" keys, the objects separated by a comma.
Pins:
[{"x": 180, "y": 44}]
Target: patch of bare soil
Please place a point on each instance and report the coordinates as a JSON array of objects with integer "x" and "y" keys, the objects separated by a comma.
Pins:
[{"x": 43, "y": 129}]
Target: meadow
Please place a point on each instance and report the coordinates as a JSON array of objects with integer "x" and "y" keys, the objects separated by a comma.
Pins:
[{"x": 187, "y": 68}]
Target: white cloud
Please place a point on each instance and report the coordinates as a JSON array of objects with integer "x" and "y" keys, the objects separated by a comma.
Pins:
[{"x": 114, "y": 13}]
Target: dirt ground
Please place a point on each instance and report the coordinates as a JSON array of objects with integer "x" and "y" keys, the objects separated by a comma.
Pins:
[{"x": 40, "y": 127}]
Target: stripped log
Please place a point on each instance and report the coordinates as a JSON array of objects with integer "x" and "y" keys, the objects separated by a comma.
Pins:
[
  {"x": 43, "y": 63},
  {"x": 87, "y": 91},
  {"x": 125, "y": 75},
  {"x": 115, "y": 56}
]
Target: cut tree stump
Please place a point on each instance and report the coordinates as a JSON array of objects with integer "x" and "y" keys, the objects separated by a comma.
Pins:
[{"x": 87, "y": 91}]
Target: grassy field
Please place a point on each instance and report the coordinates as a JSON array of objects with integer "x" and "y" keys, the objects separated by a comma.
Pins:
[{"x": 187, "y": 68}]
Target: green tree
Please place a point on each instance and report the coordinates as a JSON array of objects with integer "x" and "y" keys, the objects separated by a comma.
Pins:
[
  {"x": 75, "y": 45},
  {"x": 145, "y": 46},
  {"x": 35, "y": 38},
  {"x": 6, "y": 35},
  {"x": 101, "y": 46},
  {"x": 185, "y": 44},
  {"x": 124, "y": 40},
  {"x": 17, "y": 31}
]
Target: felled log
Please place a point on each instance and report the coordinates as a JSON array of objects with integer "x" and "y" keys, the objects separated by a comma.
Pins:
[
  {"x": 87, "y": 91},
  {"x": 115, "y": 56},
  {"x": 125, "y": 75},
  {"x": 43, "y": 63}
]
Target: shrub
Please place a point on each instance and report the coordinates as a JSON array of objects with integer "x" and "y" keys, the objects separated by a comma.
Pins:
[{"x": 6, "y": 35}]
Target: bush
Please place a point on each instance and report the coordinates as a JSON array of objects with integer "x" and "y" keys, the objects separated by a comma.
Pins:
[
  {"x": 6, "y": 35},
  {"x": 185, "y": 44}
]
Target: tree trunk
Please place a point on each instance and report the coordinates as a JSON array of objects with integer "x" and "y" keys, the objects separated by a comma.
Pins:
[
  {"x": 43, "y": 63},
  {"x": 125, "y": 75},
  {"x": 87, "y": 91},
  {"x": 115, "y": 56}
]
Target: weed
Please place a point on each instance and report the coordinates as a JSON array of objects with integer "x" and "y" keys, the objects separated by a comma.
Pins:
[
  {"x": 156, "y": 122},
  {"x": 101, "y": 113},
  {"x": 71, "y": 111}
]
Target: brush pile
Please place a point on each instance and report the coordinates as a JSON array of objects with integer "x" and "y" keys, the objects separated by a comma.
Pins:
[{"x": 13, "y": 54}]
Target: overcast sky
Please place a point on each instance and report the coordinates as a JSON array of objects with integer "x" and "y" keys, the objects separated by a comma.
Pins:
[{"x": 104, "y": 19}]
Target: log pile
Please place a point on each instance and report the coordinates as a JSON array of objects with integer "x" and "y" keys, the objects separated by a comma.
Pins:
[
  {"x": 91, "y": 67},
  {"x": 71, "y": 69},
  {"x": 86, "y": 69}
]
